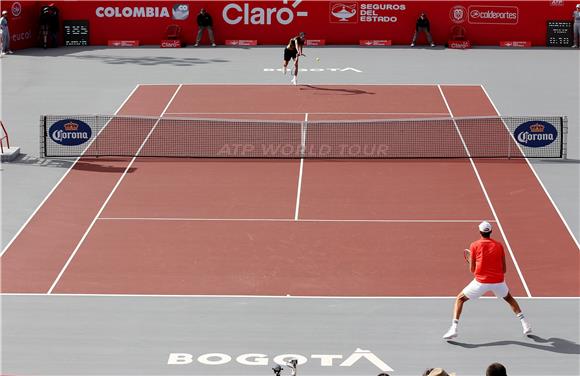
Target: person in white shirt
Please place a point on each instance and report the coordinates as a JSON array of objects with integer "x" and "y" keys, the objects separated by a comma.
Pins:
[{"x": 5, "y": 33}]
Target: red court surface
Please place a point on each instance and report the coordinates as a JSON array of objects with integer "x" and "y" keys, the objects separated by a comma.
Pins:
[{"x": 297, "y": 227}]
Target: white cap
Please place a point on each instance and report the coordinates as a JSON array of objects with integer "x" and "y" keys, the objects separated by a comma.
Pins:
[{"x": 485, "y": 226}]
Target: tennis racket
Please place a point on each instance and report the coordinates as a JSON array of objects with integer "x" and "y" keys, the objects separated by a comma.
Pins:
[{"x": 467, "y": 255}]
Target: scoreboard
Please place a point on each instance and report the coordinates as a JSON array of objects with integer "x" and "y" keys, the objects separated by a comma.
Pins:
[
  {"x": 76, "y": 32},
  {"x": 559, "y": 34}
]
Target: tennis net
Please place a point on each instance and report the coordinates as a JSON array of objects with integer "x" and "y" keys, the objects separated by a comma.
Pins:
[{"x": 477, "y": 137}]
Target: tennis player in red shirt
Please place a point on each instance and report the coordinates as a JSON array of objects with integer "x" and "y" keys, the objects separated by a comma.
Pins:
[{"x": 487, "y": 264}]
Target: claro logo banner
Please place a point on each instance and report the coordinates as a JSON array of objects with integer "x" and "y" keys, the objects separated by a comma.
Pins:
[
  {"x": 250, "y": 14},
  {"x": 496, "y": 15}
]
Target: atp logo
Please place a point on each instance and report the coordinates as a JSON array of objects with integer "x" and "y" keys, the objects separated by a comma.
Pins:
[
  {"x": 16, "y": 9},
  {"x": 343, "y": 13}
]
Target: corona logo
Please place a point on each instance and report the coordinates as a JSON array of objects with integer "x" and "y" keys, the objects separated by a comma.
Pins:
[
  {"x": 70, "y": 132},
  {"x": 71, "y": 127},
  {"x": 536, "y": 133}
]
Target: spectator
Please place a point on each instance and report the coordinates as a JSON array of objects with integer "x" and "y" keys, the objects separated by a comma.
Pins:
[
  {"x": 496, "y": 369},
  {"x": 53, "y": 25},
  {"x": 204, "y": 22},
  {"x": 5, "y": 33},
  {"x": 437, "y": 372},
  {"x": 44, "y": 23},
  {"x": 423, "y": 26},
  {"x": 576, "y": 27}
]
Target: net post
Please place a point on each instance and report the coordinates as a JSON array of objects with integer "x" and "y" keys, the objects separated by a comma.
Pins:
[
  {"x": 43, "y": 136},
  {"x": 564, "y": 140}
]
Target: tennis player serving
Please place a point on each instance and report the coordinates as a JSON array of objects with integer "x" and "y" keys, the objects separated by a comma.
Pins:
[
  {"x": 293, "y": 51},
  {"x": 487, "y": 263}
]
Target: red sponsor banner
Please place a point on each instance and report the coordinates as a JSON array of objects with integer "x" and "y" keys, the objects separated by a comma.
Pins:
[
  {"x": 315, "y": 42},
  {"x": 170, "y": 43},
  {"x": 495, "y": 15},
  {"x": 123, "y": 43},
  {"x": 241, "y": 42},
  {"x": 375, "y": 42},
  {"x": 274, "y": 22},
  {"x": 459, "y": 44},
  {"x": 515, "y": 43}
]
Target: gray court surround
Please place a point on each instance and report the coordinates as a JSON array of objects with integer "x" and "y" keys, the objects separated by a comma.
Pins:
[
  {"x": 123, "y": 335},
  {"x": 137, "y": 335}
]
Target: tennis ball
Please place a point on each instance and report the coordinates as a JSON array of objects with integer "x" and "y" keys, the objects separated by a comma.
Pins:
[{"x": 318, "y": 59}]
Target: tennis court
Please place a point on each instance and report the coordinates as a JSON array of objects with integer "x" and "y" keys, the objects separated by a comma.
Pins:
[
  {"x": 212, "y": 244},
  {"x": 334, "y": 227}
]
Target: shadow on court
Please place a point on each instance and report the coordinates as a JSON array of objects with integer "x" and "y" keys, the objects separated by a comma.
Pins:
[
  {"x": 94, "y": 166},
  {"x": 555, "y": 345},
  {"x": 151, "y": 60},
  {"x": 28, "y": 160},
  {"x": 336, "y": 90}
]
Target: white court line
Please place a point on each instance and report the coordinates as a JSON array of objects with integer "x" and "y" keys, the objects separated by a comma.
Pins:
[
  {"x": 185, "y": 219},
  {"x": 58, "y": 184},
  {"x": 487, "y": 197},
  {"x": 299, "y": 190},
  {"x": 311, "y": 113},
  {"x": 111, "y": 195},
  {"x": 538, "y": 179},
  {"x": 317, "y": 84},
  {"x": 282, "y": 296}
]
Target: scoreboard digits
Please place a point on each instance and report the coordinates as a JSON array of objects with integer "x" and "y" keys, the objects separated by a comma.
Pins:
[{"x": 76, "y": 32}]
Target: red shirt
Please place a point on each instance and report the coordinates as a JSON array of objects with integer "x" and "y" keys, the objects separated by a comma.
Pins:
[{"x": 489, "y": 256}]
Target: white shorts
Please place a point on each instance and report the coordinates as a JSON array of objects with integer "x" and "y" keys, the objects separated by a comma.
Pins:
[{"x": 476, "y": 289}]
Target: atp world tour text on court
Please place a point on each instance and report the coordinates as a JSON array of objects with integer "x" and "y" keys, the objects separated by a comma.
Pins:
[{"x": 290, "y": 150}]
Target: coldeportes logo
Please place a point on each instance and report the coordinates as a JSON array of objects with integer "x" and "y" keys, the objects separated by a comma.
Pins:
[
  {"x": 535, "y": 134},
  {"x": 132, "y": 12},
  {"x": 480, "y": 14},
  {"x": 458, "y": 14},
  {"x": 16, "y": 9},
  {"x": 180, "y": 12},
  {"x": 70, "y": 132},
  {"x": 343, "y": 12},
  {"x": 234, "y": 13}
]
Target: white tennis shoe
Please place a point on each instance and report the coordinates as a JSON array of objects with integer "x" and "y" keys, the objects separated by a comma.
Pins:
[
  {"x": 526, "y": 328},
  {"x": 294, "y": 81},
  {"x": 451, "y": 333}
]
